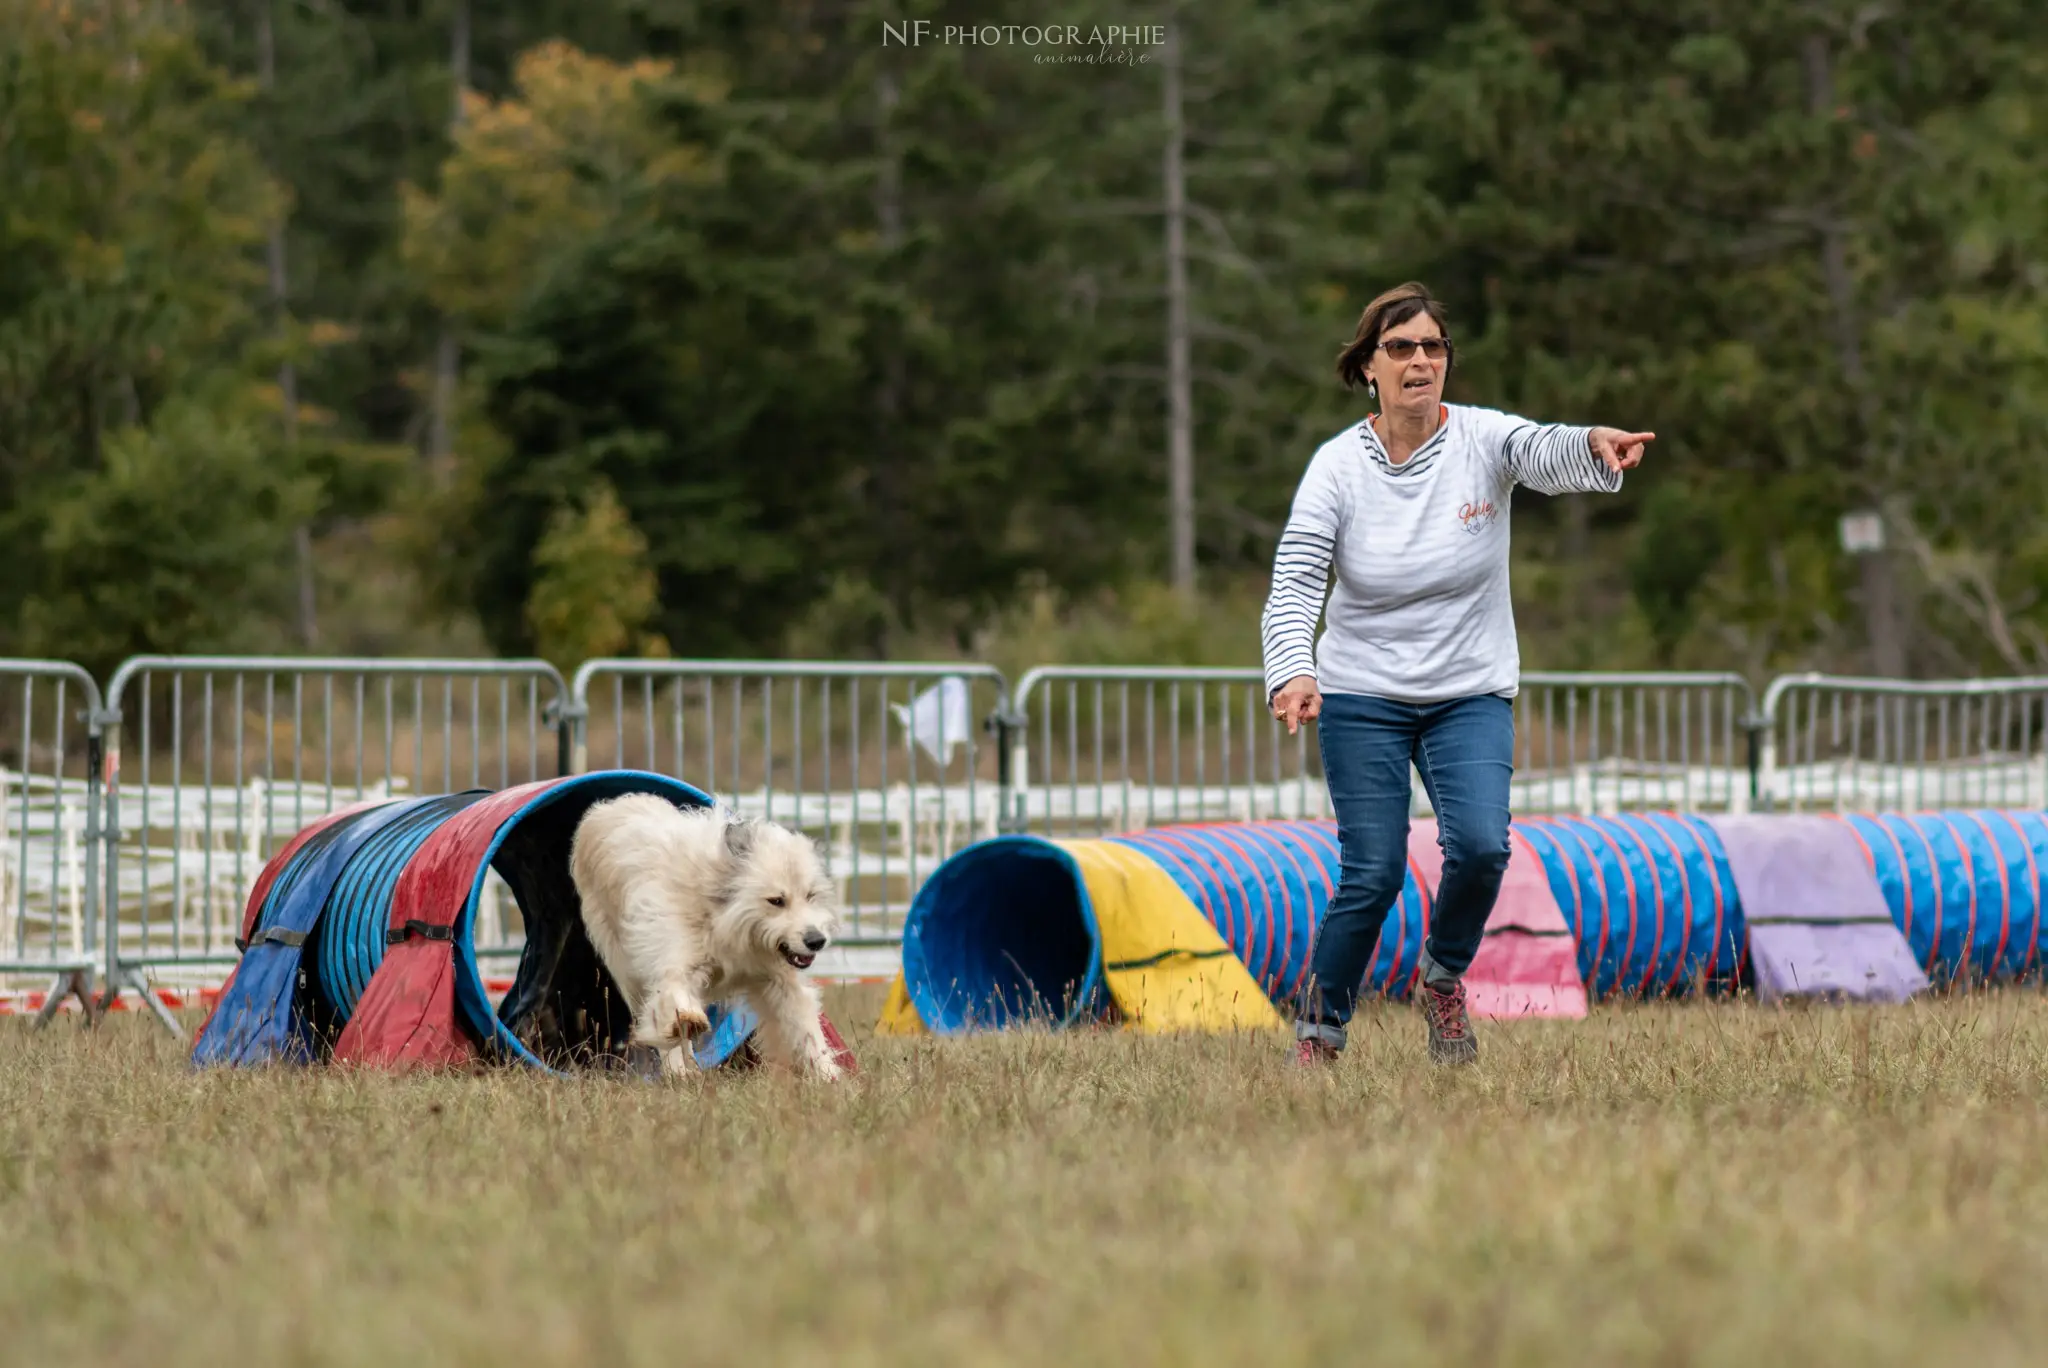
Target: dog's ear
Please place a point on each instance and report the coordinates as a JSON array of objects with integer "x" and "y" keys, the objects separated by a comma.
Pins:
[{"x": 739, "y": 838}]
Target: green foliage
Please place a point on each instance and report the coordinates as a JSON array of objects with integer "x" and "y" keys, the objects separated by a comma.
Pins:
[
  {"x": 593, "y": 590},
  {"x": 139, "y": 507},
  {"x": 138, "y": 556},
  {"x": 1678, "y": 542},
  {"x": 866, "y": 342},
  {"x": 130, "y": 213},
  {"x": 149, "y": 484},
  {"x": 1145, "y": 623}
]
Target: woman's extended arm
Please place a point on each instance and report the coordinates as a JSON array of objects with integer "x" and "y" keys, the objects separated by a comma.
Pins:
[
  {"x": 1558, "y": 458},
  {"x": 1301, "y": 576}
]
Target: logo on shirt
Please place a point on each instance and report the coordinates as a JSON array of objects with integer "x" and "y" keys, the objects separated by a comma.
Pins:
[{"x": 1476, "y": 517}]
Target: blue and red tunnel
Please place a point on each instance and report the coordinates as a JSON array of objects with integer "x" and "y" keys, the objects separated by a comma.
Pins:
[{"x": 359, "y": 940}]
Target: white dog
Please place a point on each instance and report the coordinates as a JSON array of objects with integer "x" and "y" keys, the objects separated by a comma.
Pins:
[{"x": 690, "y": 908}]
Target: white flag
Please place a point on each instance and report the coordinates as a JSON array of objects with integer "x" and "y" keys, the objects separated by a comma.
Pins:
[{"x": 937, "y": 718}]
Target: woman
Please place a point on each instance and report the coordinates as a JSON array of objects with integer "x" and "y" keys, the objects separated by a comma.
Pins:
[{"x": 1418, "y": 660}]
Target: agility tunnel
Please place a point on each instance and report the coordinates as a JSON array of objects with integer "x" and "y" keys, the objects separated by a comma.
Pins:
[
  {"x": 1651, "y": 901},
  {"x": 1186, "y": 927},
  {"x": 1965, "y": 888},
  {"x": 358, "y": 942},
  {"x": 1212, "y": 926}
]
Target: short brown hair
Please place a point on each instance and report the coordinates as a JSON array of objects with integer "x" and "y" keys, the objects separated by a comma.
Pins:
[{"x": 1389, "y": 310}]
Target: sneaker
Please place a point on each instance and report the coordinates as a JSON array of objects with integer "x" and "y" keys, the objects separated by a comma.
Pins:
[
  {"x": 1450, "y": 1028},
  {"x": 1310, "y": 1054}
]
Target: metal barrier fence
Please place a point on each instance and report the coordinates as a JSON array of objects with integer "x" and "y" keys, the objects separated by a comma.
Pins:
[
  {"x": 1101, "y": 749},
  {"x": 1842, "y": 744},
  {"x": 1107, "y": 749},
  {"x": 879, "y": 761},
  {"x": 1607, "y": 743},
  {"x": 49, "y": 826},
  {"x": 213, "y": 762}
]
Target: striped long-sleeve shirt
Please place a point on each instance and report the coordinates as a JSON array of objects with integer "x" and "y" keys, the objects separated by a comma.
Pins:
[{"x": 1421, "y": 611}]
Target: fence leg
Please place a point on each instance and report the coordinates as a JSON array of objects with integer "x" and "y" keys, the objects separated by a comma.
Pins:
[
  {"x": 1764, "y": 768},
  {"x": 105, "y": 817},
  {"x": 133, "y": 979},
  {"x": 1013, "y": 767},
  {"x": 572, "y": 746},
  {"x": 103, "y": 842},
  {"x": 72, "y": 983},
  {"x": 1756, "y": 727}
]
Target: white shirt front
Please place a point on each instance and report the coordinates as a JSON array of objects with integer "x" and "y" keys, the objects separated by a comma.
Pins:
[{"x": 1421, "y": 611}]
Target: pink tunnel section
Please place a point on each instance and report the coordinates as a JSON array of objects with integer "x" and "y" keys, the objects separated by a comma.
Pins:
[{"x": 1528, "y": 963}]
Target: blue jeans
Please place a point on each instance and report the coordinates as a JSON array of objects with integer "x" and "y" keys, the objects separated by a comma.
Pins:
[{"x": 1465, "y": 752}]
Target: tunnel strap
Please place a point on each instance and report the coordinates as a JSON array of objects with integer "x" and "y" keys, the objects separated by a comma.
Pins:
[
  {"x": 1120, "y": 966},
  {"x": 272, "y": 935},
  {"x": 398, "y": 935},
  {"x": 1873, "y": 919}
]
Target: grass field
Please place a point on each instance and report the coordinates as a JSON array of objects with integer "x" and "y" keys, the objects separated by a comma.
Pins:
[{"x": 1678, "y": 1184}]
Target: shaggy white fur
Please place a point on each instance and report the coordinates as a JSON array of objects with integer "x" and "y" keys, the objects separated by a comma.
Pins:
[{"x": 690, "y": 908}]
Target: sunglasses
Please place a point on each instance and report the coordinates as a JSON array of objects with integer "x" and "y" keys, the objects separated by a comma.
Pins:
[{"x": 1401, "y": 348}]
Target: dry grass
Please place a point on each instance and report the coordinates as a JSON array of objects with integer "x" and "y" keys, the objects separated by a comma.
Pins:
[{"x": 1711, "y": 1184}]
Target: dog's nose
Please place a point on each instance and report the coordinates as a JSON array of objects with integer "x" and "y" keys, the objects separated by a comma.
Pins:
[{"x": 814, "y": 941}]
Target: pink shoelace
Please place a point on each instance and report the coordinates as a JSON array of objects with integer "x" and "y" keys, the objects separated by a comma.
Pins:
[{"x": 1446, "y": 1011}]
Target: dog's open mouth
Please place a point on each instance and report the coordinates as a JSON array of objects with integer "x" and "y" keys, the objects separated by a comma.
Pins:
[{"x": 797, "y": 960}]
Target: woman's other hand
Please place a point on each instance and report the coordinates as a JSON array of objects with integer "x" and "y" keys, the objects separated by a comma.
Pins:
[{"x": 1297, "y": 702}]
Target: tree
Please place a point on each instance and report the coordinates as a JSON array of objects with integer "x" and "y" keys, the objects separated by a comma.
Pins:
[
  {"x": 901, "y": 336},
  {"x": 180, "y": 542},
  {"x": 1713, "y": 217},
  {"x": 594, "y": 591},
  {"x": 128, "y": 290}
]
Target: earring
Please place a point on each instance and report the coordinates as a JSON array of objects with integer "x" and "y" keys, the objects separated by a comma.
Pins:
[{"x": 1372, "y": 390}]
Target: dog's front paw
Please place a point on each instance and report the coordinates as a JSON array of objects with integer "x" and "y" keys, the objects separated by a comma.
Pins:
[
  {"x": 822, "y": 1065},
  {"x": 686, "y": 1025},
  {"x": 682, "y": 1017},
  {"x": 673, "y": 1019}
]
